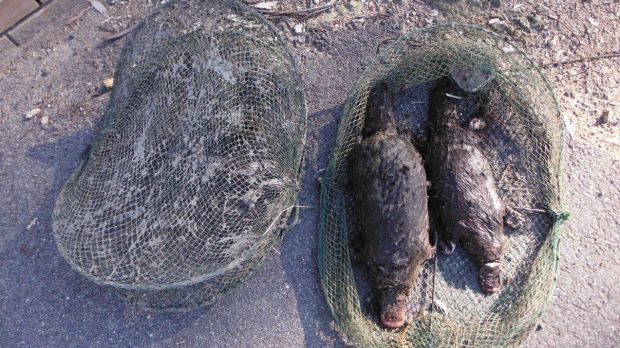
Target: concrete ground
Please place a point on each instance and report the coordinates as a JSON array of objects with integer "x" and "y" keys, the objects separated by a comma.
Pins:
[{"x": 46, "y": 304}]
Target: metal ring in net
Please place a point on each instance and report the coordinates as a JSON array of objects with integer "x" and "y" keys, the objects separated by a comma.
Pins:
[
  {"x": 198, "y": 164},
  {"x": 523, "y": 143}
]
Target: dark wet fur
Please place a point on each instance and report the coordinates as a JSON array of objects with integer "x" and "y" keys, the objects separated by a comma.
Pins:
[
  {"x": 389, "y": 181},
  {"x": 463, "y": 191}
]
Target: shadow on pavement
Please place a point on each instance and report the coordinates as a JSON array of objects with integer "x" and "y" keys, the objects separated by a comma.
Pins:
[
  {"x": 44, "y": 299},
  {"x": 299, "y": 246}
]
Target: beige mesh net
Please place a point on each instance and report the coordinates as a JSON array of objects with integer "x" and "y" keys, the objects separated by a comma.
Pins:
[
  {"x": 197, "y": 168},
  {"x": 523, "y": 143}
]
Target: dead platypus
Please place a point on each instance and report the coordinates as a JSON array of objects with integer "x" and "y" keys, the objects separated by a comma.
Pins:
[
  {"x": 389, "y": 183},
  {"x": 463, "y": 193}
]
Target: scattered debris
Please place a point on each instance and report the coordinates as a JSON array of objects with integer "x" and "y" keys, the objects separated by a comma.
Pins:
[
  {"x": 534, "y": 210},
  {"x": 101, "y": 91},
  {"x": 265, "y": 5},
  {"x": 76, "y": 17},
  {"x": 233, "y": 18},
  {"x": 593, "y": 22},
  {"x": 536, "y": 22},
  {"x": 99, "y": 7},
  {"x": 31, "y": 224},
  {"x": 604, "y": 117},
  {"x": 524, "y": 23},
  {"x": 570, "y": 127},
  {"x": 501, "y": 26},
  {"x": 118, "y": 35},
  {"x": 477, "y": 124},
  {"x": 32, "y": 113},
  {"x": 301, "y": 15},
  {"x": 582, "y": 59},
  {"x": 24, "y": 249},
  {"x": 508, "y": 49},
  {"x": 553, "y": 42},
  {"x": 45, "y": 120},
  {"x": 355, "y": 6},
  {"x": 298, "y": 29},
  {"x": 440, "y": 307},
  {"x": 108, "y": 83}
]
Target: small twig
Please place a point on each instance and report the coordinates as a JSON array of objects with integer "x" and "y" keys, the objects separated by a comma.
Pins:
[
  {"x": 384, "y": 42},
  {"x": 612, "y": 142},
  {"x": 513, "y": 211},
  {"x": 365, "y": 18},
  {"x": 317, "y": 12},
  {"x": 582, "y": 59},
  {"x": 531, "y": 209},
  {"x": 501, "y": 178},
  {"x": 99, "y": 94},
  {"x": 404, "y": 332},
  {"x": 277, "y": 219},
  {"x": 118, "y": 35},
  {"x": 301, "y": 15},
  {"x": 76, "y": 17},
  {"x": 453, "y": 96}
]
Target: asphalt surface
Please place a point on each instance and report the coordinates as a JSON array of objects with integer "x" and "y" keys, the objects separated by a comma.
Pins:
[{"x": 46, "y": 304}]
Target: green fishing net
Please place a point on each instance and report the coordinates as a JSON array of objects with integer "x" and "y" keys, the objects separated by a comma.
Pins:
[
  {"x": 523, "y": 143},
  {"x": 197, "y": 167}
]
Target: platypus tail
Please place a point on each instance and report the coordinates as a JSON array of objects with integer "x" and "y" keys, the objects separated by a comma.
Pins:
[{"x": 380, "y": 110}]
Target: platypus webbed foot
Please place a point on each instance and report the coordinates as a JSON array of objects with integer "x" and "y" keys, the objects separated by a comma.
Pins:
[{"x": 489, "y": 277}]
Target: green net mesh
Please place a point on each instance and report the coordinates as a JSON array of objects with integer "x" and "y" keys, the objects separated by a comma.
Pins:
[
  {"x": 197, "y": 167},
  {"x": 523, "y": 143}
]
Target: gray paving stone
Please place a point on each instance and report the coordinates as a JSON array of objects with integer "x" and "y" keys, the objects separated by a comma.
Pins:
[
  {"x": 5, "y": 45},
  {"x": 11, "y": 11},
  {"x": 51, "y": 16}
]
